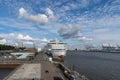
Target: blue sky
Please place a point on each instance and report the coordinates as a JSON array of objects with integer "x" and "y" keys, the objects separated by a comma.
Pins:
[{"x": 77, "y": 22}]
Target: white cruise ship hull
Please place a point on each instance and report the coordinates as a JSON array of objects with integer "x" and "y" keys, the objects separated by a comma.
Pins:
[{"x": 58, "y": 53}]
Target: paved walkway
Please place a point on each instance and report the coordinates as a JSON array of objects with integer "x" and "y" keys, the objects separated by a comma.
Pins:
[
  {"x": 40, "y": 57},
  {"x": 27, "y": 72},
  {"x": 50, "y": 72}
]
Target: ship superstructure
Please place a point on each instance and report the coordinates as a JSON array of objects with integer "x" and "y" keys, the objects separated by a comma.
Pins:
[{"x": 56, "y": 48}]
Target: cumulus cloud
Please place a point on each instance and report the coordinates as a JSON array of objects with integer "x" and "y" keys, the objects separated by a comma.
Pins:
[
  {"x": 22, "y": 12},
  {"x": 16, "y": 36},
  {"x": 22, "y": 37},
  {"x": 39, "y": 18},
  {"x": 69, "y": 31},
  {"x": 50, "y": 14},
  {"x": 44, "y": 40},
  {"x": 13, "y": 38}
]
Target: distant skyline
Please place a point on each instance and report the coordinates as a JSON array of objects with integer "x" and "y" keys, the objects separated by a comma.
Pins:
[{"x": 77, "y": 22}]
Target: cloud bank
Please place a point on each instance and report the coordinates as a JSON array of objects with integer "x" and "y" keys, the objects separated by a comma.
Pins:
[{"x": 14, "y": 38}]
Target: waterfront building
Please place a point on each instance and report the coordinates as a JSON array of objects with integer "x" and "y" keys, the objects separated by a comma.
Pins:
[{"x": 20, "y": 44}]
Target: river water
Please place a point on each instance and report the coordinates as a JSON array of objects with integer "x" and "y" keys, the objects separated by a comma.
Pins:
[
  {"x": 95, "y": 65},
  {"x": 4, "y": 73}
]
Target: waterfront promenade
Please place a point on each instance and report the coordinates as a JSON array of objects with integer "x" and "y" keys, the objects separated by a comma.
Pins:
[
  {"x": 37, "y": 69},
  {"x": 27, "y": 72}
]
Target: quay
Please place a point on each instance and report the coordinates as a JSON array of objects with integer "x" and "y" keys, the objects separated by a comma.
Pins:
[
  {"x": 27, "y": 72},
  {"x": 40, "y": 68},
  {"x": 37, "y": 69}
]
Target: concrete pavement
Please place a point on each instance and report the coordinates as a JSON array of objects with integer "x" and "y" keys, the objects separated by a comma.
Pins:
[{"x": 27, "y": 72}]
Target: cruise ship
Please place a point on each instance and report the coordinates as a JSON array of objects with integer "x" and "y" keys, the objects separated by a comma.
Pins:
[{"x": 56, "y": 48}]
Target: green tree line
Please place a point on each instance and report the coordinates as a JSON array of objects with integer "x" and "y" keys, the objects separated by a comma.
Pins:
[{"x": 6, "y": 47}]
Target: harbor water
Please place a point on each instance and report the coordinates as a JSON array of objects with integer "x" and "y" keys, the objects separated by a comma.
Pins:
[
  {"x": 95, "y": 65},
  {"x": 5, "y": 72}
]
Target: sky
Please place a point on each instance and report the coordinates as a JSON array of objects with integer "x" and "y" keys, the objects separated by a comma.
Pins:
[{"x": 76, "y": 22}]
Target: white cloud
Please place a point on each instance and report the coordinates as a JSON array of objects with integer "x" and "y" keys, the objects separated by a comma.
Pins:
[
  {"x": 104, "y": 21},
  {"x": 83, "y": 38},
  {"x": 103, "y": 15},
  {"x": 69, "y": 31},
  {"x": 39, "y": 18},
  {"x": 44, "y": 40},
  {"x": 75, "y": 5},
  {"x": 12, "y": 34},
  {"x": 91, "y": 21},
  {"x": 72, "y": 31},
  {"x": 27, "y": 37},
  {"x": 22, "y": 37},
  {"x": 50, "y": 13},
  {"x": 22, "y": 12},
  {"x": 30, "y": 43},
  {"x": 16, "y": 36}
]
